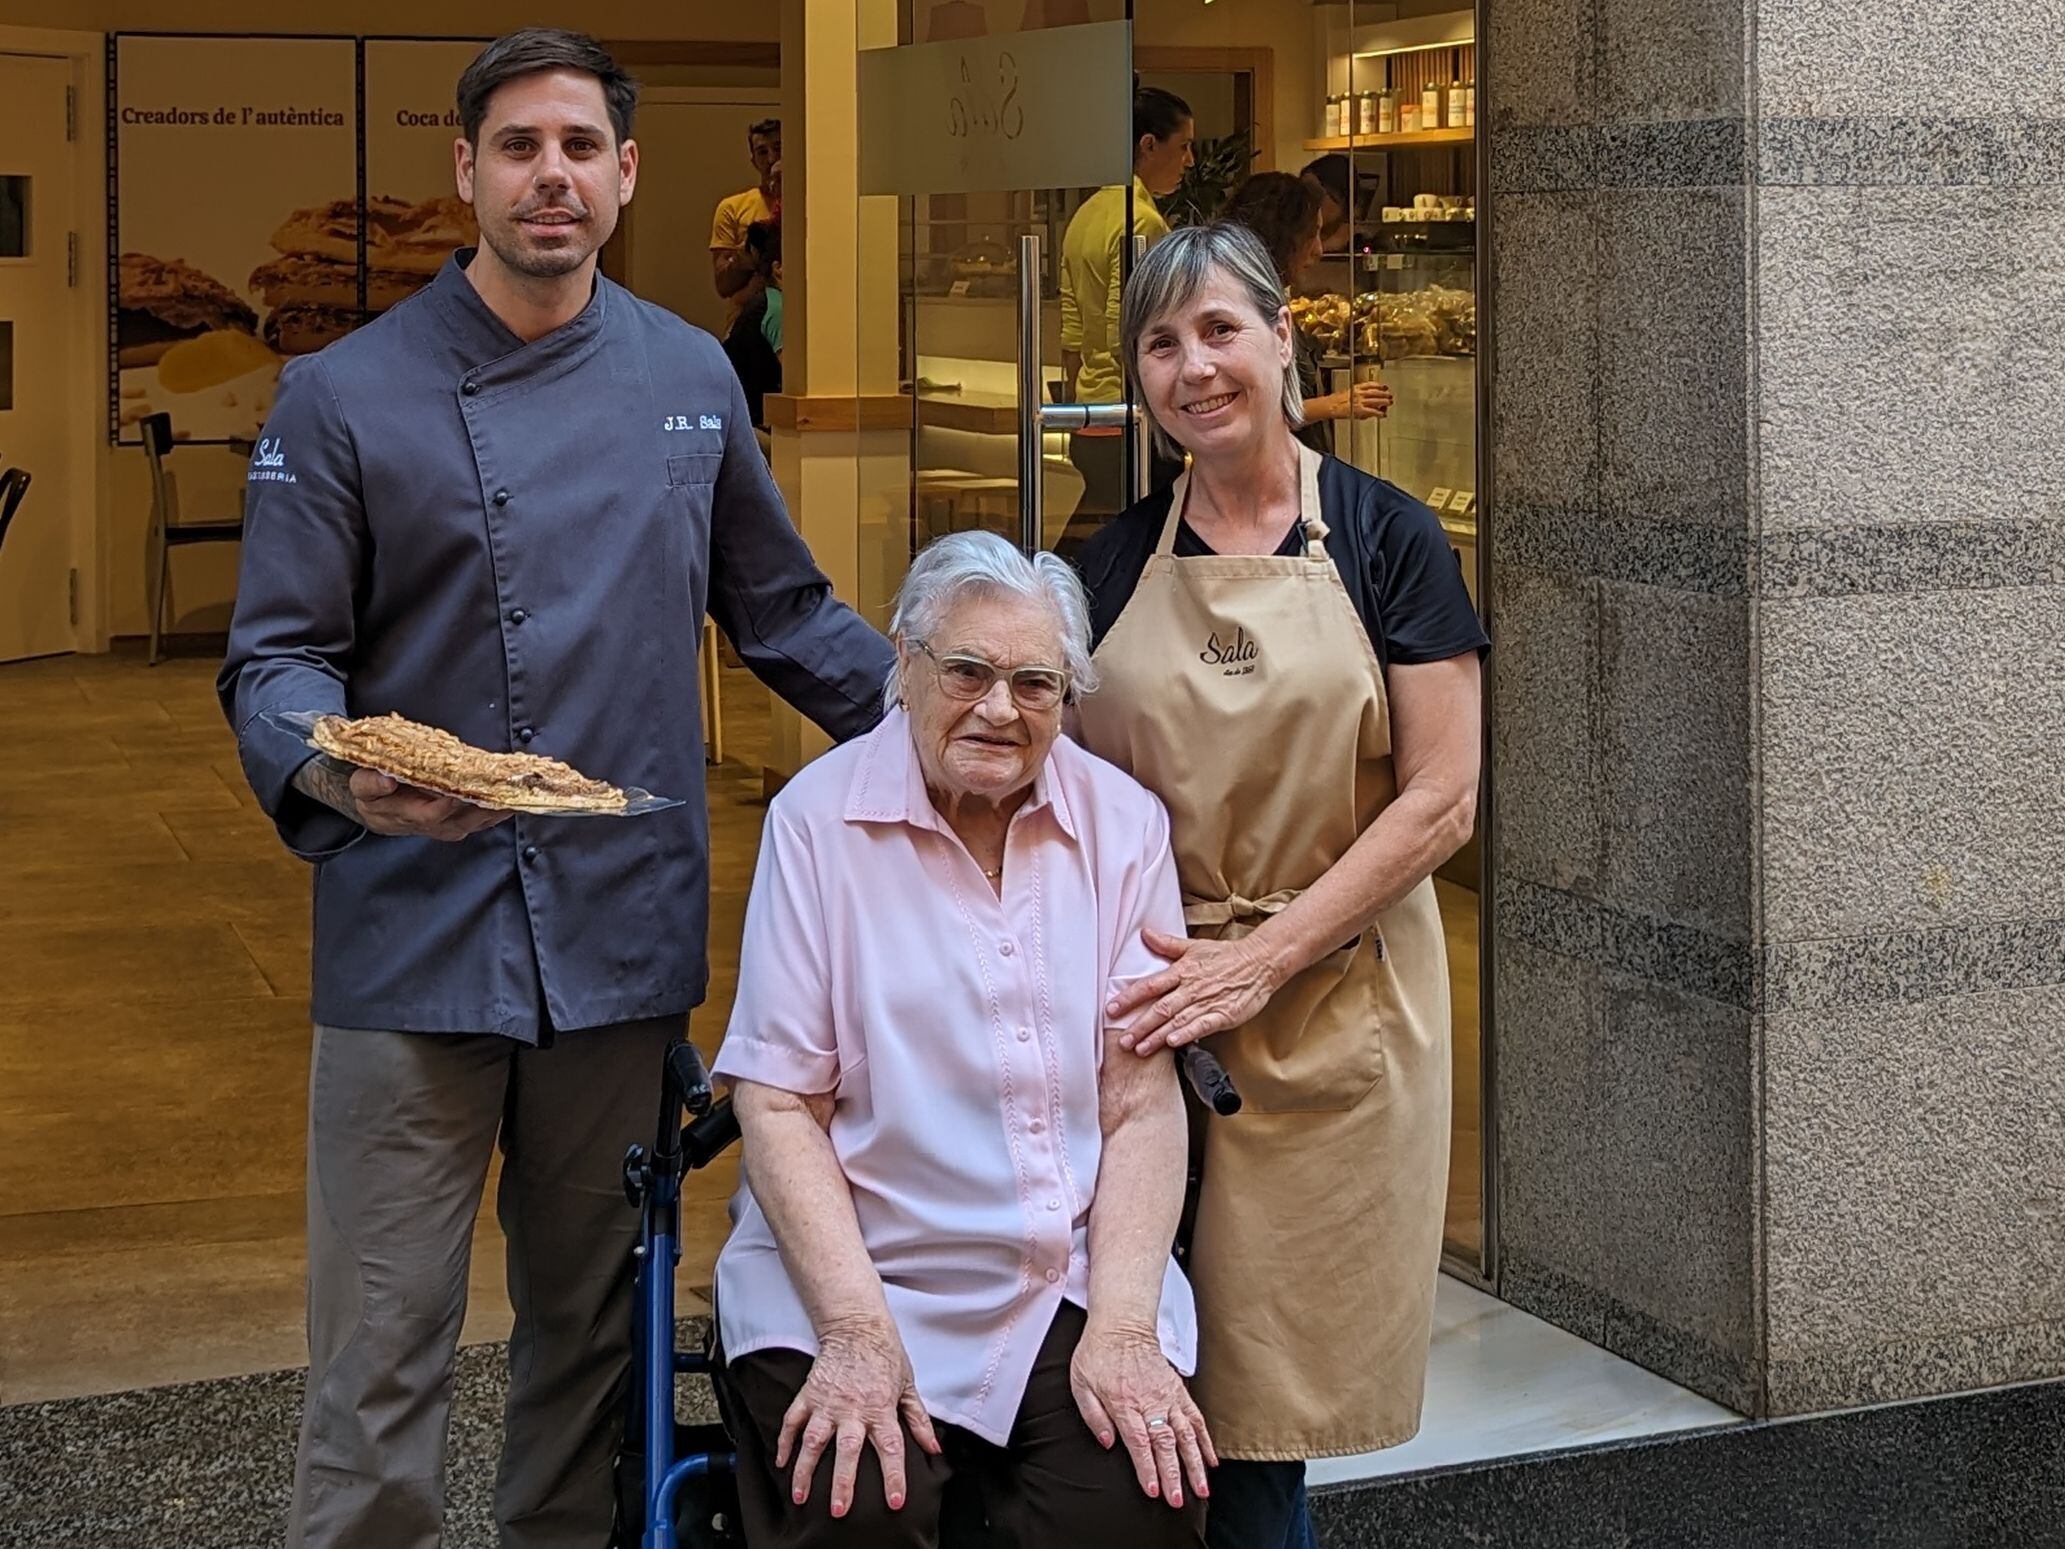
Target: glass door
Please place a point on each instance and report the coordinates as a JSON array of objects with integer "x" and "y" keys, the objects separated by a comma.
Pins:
[{"x": 986, "y": 134}]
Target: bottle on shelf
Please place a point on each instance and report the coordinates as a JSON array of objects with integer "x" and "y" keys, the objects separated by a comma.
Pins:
[
  {"x": 1408, "y": 117},
  {"x": 1366, "y": 116},
  {"x": 1332, "y": 128},
  {"x": 1456, "y": 117},
  {"x": 1430, "y": 106},
  {"x": 1387, "y": 113},
  {"x": 1470, "y": 103}
]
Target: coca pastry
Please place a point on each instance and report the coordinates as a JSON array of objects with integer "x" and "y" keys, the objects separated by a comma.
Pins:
[
  {"x": 435, "y": 760},
  {"x": 313, "y": 286},
  {"x": 161, "y": 302}
]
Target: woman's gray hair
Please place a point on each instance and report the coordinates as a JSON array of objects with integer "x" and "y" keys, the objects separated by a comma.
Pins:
[
  {"x": 962, "y": 565},
  {"x": 1171, "y": 275}
]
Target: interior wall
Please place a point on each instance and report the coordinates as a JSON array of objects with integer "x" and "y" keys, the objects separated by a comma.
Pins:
[
  {"x": 211, "y": 479},
  {"x": 712, "y": 20},
  {"x": 1289, "y": 29}
]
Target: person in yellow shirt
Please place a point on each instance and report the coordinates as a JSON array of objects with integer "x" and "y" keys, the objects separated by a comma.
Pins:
[
  {"x": 732, "y": 268},
  {"x": 1092, "y": 264}
]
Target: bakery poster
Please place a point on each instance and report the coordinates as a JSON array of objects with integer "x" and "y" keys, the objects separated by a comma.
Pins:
[
  {"x": 412, "y": 118},
  {"x": 236, "y": 177}
]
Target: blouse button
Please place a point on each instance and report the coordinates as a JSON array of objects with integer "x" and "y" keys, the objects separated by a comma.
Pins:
[
  {"x": 1053, "y": 1275},
  {"x": 1037, "y": 1125},
  {"x": 1006, "y": 948},
  {"x": 1053, "y": 1204}
]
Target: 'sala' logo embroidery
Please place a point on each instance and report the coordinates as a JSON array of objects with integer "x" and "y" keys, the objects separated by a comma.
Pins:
[
  {"x": 1236, "y": 657},
  {"x": 269, "y": 463},
  {"x": 693, "y": 422}
]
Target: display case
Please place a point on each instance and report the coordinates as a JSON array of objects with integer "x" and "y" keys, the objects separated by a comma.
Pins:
[
  {"x": 1398, "y": 301},
  {"x": 1409, "y": 320}
]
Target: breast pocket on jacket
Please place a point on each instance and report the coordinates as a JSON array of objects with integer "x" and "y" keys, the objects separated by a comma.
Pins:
[{"x": 688, "y": 470}]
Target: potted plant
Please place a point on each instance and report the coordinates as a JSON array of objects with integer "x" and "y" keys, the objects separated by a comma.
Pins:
[{"x": 1218, "y": 166}]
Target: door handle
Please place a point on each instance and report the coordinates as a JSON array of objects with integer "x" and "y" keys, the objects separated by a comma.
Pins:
[
  {"x": 1036, "y": 416},
  {"x": 1032, "y": 473}
]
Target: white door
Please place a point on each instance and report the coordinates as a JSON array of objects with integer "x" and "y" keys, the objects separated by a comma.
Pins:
[
  {"x": 691, "y": 153},
  {"x": 35, "y": 348}
]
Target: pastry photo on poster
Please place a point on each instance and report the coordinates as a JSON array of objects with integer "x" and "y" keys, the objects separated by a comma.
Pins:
[{"x": 238, "y": 222}]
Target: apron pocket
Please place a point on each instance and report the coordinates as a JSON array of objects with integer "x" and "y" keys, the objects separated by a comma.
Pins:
[{"x": 1317, "y": 1047}]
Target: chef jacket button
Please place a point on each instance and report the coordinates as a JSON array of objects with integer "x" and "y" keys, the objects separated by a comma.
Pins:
[
  {"x": 525, "y": 734},
  {"x": 517, "y": 615},
  {"x": 501, "y": 497},
  {"x": 1053, "y": 1204},
  {"x": 1037, "y": 1126},
  {"x": 530, "y": 852},
  {"x": 1025, "y": 1035},
  {"x": 1053, "y": 1275},
  {"x": 1006, "y": 948},
  {"x": 469, "y": 387}
]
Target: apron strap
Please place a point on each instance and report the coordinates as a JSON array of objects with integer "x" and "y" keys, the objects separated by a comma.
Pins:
[
  {"x": 1308, "y": 508},
  {"x": 1308, "y": 503},
  {"x": 1178, "y": 497}
]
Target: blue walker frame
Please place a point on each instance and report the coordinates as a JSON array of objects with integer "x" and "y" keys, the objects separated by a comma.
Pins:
[{"x": 652, "y": 1182}]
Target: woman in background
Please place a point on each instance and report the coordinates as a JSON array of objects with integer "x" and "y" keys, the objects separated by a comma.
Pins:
[{"x": 1286, "y": 212}]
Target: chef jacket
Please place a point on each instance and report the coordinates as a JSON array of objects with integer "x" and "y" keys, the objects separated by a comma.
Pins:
[{"x": 518, "y": 543}]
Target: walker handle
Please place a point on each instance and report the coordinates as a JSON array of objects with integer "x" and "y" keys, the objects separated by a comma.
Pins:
[
  {"x": 690, "y": 1078},
  {"x": 1208, "y": 1078}
]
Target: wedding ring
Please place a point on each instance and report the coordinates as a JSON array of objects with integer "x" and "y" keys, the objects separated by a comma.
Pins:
[{"x": 1156, "y": 1422}]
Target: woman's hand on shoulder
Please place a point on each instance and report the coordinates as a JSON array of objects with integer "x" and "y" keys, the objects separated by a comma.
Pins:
[
  {"x": 1127, "y": 1391},
  {"x": 860, "y": 1386},
  {"x": 1209, "y": 987}
]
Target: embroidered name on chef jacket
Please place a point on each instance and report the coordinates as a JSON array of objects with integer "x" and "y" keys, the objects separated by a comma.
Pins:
[{"x": 693, "y": 422}]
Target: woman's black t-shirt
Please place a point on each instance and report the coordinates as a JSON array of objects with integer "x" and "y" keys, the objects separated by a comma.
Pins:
[{"x": 1394, "y": 559}]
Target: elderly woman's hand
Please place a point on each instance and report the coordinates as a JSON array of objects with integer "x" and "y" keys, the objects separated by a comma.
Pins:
[
  {"x": 1123, "y": 1383},
  {"x": 1209, "y": 987},
  {"x": 859, "y": 1384}
]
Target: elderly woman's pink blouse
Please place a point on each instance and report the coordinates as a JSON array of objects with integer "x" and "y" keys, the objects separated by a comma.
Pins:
[{"x": 962, "y": 1034}]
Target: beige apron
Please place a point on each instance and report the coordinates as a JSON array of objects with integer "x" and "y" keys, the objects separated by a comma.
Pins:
[{"x": 1243, "y": 690}]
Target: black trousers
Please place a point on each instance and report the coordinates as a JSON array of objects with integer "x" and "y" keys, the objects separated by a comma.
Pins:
[{"x": 1050, "y": 1487}]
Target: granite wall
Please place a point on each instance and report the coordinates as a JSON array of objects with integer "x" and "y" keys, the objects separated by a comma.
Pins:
[{"x": 1777, "y": 554}]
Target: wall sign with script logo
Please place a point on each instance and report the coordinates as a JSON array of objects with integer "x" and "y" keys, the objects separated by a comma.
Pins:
[
  {"x": 1051, "y": 108},
  {"x": 987, "y": 107}
]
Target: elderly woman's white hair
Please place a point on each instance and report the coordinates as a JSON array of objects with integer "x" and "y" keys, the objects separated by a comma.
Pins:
[{"x": 980, "y": 564}]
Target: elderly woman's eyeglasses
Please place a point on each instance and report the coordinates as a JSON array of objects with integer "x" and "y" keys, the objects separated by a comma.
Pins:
[{"x": 970, "y": 678}]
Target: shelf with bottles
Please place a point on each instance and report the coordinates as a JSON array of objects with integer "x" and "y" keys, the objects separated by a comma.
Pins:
[
  {"x": 1417, "y": 139},
  {"x": 1421, "y": 98}
]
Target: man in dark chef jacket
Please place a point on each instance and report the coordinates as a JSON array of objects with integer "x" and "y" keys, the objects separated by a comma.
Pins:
[{"x": 503, "y": 508}]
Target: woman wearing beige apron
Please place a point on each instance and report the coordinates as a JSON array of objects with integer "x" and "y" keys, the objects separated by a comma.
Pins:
[{"x": 1290, "y": 661}]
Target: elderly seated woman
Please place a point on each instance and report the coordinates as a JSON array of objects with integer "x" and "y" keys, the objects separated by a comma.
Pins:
[{"x": 950, "y": 1253}]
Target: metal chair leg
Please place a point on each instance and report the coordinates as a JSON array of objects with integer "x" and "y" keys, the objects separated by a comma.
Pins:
[
  {"x": 713, "y": 708},
  {"x": 162, "y": 561}
]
